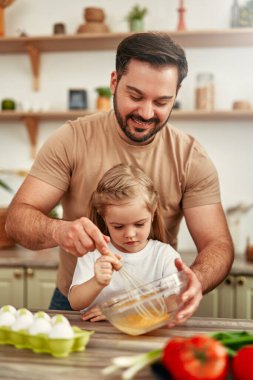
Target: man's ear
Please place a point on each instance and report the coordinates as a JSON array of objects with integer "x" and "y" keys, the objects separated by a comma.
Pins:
[
  {"x": 178, "y": 89},
  {"x": 113, "y": 82}
]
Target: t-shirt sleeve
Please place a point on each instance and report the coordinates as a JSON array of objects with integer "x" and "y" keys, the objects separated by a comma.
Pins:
[
  {"x": 170, "y": 254},
  {"x": 54, "y": 161},
  {"x": 202, "y": 184},
  {"x": 84, "y": 269}
]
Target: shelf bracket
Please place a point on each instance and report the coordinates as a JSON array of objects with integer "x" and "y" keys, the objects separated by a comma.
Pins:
[
  {"x": 34, "y": 55},
  {"x": 31, "y": 124}
]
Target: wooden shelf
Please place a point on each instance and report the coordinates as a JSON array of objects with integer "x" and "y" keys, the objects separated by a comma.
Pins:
[
  {"x": 34, "y": 46},
  {"x": 10, "y": 116},
  {"x": 40, "y": 116},
  {"x": 109, "y": 41},
  {"x": 236, "y": 115},
  {"x": 32, "y": 119}
]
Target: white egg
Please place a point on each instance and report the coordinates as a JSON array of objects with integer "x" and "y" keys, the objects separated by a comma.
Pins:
[
  {"x": 8, "y": 308},
  {"x": 39, "y": 326},
  {"x": 7, "y": 319},
  {"x": 43, "y": 315},
  {"x": 61, "y": 331},
  {"x": 23, "y": 321},
  {"x": 23, "y": 311},
  {"x": 59, "y": 318}
]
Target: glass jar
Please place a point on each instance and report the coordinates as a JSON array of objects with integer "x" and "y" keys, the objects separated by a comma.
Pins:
[
  {"x": 204, "y": 95},
  {"x": 235, "y": 15}
]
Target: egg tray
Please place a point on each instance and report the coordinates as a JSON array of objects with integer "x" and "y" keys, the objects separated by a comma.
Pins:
[{"x": 42, "y": 344}]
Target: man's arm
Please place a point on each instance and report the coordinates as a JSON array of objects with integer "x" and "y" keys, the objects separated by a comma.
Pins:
[
  {"x": 208, "y": 228},
  {"x": 28, "y": 222}
]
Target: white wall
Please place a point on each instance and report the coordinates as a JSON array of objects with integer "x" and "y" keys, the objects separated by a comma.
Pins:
[{"x": 228, "y": 143}]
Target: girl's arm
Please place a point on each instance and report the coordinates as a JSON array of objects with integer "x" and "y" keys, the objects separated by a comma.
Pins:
[{"x": 81, "y": 296}]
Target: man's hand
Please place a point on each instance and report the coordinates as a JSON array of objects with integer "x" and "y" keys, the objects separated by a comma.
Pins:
[
  {"x": 191, "y": 297},
  {"x": 80, "y": 236},
  {"x": 93, "y": 315}
]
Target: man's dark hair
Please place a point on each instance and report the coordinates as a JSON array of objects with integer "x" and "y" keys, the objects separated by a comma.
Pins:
[{"x": 158, "y": 49}]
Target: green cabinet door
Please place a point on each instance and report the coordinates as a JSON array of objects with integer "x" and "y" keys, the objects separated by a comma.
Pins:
[
  {"x": 12, "y": 286},
  {"x": 244, "y": 297},
  {"x": 40, "y": 287},
  {"x": 219, "y": 303}
]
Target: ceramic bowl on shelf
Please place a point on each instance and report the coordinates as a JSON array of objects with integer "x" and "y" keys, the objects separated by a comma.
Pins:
[
  {"x": 92, "y": 14},
  {"x": 145, "y": 308}
]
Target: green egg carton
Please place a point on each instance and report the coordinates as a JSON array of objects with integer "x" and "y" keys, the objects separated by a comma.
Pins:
[{"x": 42, "y": 344}]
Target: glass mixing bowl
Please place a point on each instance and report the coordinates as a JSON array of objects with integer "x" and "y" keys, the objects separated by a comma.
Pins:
[{"x": 147, "y": 307}]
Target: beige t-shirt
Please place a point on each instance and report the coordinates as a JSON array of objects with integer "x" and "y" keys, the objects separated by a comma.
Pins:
[{"x": 76, "y": 156}]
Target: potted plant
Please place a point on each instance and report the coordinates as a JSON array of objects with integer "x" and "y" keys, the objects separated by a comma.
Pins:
[
  {"x": 103, "y": 98},
  {"x": 135, "y": 18}
]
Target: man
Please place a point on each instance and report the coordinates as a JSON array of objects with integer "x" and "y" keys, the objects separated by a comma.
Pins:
[{"x": 150, "y": 68}]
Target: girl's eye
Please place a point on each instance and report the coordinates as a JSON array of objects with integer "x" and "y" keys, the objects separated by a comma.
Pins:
[
  {"x": 118, "y": 227},
  {"x": 140, "y": 225}
]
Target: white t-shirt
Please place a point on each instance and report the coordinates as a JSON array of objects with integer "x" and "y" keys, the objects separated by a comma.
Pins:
[{"x": 153, "y": 262}]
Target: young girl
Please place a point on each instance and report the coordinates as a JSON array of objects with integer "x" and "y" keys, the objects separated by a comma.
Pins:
[{"x": 126, "y": 206}]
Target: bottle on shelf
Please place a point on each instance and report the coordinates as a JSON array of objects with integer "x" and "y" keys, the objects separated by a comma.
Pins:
[{"x": 235, "y": 15}]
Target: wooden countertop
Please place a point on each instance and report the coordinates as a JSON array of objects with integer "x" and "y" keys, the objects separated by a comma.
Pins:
[
  {"x": 49, "y": 259},
  {"x": 105, "y": 343},
  {"x": 22, "y": 257}
]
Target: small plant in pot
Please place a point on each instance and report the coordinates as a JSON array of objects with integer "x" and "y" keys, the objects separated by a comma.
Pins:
[
  {"x": 103, "y": 98},
  {"x": 135, "y": 18}
]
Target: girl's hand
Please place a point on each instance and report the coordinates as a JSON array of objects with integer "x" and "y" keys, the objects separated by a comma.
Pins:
[
  {"x": 104, "y": 268},
  {"x": 93, "y": 315}
]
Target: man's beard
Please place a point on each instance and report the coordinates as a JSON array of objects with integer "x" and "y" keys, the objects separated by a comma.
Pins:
[{"x": 124, "y": 127}]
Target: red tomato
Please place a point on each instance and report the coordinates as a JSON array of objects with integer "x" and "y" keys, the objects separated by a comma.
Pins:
[
  {"x": 195, "y": 358},
  {"x": 242, "y": 364}
]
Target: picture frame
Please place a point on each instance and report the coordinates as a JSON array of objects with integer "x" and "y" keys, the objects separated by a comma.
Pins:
[{"x": 77, "y": 99}]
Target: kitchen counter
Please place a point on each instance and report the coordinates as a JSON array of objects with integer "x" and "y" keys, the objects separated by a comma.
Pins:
[
  {"x": 105, "y": 343},
  {"x": 49, "y": 258},
  {"x": 22, "y": 257},
  {"x": 240, "y": 265}
]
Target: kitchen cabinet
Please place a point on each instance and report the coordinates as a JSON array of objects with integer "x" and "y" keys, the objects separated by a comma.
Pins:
[
  {"x": 231, "y": 299},
  {"x": 34, "y": 46},
  {"x": 12, "y": 286},
  {"x": 27, "y": 287}
]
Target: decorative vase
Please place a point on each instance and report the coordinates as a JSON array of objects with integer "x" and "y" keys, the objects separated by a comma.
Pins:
[
  {"x": 103, "y": 103},
  {"x": 136, "y": 25}
]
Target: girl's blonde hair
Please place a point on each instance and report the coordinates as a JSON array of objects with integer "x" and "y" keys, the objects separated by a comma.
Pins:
[{"x": 124, "y": 182}]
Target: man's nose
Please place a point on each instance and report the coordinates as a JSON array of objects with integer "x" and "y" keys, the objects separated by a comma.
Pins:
[{"x": 146, "y": 110}]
